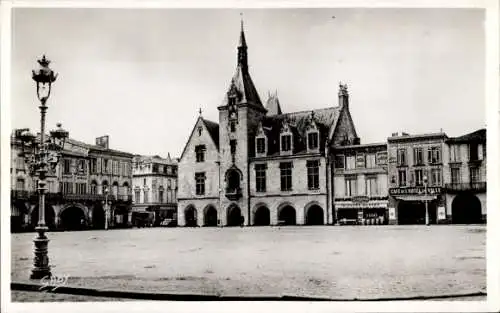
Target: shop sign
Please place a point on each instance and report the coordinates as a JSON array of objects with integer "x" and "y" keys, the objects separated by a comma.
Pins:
[
  {"x": 360, "y": 199},
  {"x": 441, "y": 213},
  {"x": 414, "y": 191}
]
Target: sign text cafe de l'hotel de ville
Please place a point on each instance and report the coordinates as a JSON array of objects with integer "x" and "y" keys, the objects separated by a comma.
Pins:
[{"x": 260, "y": 165}]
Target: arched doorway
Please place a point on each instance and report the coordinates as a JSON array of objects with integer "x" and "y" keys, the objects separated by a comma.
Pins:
[
  {"x": 315, "y": 215},
  {"x": 50, "y": 217},
  {"x": 466, "y": 209},
  {"x": 234, "y": 216},
  {"x": 190, "y": 217},
  {"x": 413, "y": 212},
  {"x": 72, "y": 218},
  {"x": 210, "y": 218},
  {"x": 287, "y": 216},
  {"x": 98, "y": 217},
  {"x": 262, "y": 216}
]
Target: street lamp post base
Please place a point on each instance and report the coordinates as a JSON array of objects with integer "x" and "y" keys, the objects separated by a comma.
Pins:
[{"x": 41, "y": 266}]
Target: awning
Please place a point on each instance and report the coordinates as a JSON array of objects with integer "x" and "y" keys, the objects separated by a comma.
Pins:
[{"x": 416, "y": 198}]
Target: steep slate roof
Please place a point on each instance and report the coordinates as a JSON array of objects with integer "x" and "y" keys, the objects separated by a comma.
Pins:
[
  {"x": 477, "y": 136},
  {"x": 213, "y": 130},
  {"x": 298, "y": 121}
]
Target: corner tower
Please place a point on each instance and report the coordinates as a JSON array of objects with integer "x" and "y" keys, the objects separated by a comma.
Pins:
[{"x": 239, "y": 115}]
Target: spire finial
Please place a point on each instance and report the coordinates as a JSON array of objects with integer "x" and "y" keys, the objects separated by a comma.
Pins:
[
  {"x": 200, "y": 111},
  {"x": 241, "y": 18}
]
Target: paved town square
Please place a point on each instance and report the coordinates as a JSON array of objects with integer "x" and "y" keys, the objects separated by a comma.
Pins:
[{"x": 317, "y": 261}]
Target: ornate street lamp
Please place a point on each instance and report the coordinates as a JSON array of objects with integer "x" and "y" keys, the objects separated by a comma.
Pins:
[
  {"x": 43, "y": 155},
  {"x": 425, "y": 200}
]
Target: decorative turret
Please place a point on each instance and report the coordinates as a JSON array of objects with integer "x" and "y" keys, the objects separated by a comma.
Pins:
[{"x": 273, "y": 104}]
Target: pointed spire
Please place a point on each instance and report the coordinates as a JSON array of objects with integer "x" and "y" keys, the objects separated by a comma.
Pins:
[{"x": 242, "y": 49}]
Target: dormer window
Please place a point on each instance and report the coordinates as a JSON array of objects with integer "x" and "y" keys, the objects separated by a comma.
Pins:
[
  {"x": 261, "y": 145},
  {"x": 312, "y": 140},
  {"x": 286, "y": 143}
]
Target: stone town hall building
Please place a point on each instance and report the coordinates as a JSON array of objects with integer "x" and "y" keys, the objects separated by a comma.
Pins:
[{"x": 259, "y": 165}]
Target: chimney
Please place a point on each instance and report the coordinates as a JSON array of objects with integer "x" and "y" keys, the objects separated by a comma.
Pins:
[
  {"x": 102, "y": 142},
  {"x": 343, "y": 95}
]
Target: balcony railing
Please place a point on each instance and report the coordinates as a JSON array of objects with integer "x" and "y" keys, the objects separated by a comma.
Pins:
[
  {"x": 455, "y": 187},
  {"x": 233, "y": 193}
]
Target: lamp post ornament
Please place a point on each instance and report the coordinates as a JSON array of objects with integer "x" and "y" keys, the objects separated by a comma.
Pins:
[{"x": 42, "y": 160}]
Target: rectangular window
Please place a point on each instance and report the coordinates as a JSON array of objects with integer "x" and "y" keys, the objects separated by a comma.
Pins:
[
  {"x": 155, "y": 168},
  {"x": 67, "y": 166},
  {"x": 146, "y": 198},
  {"x": 351, "y": 186},
  {"x": 350, "y": 162},
  {"x": 455, "y": 153},
  {"x": 455, "y": 175},
  {"x": 260, "y": 177},
  {"x": 313, "y": 175},
  {"x": 339, "y": 161},
  {"x": 475, "y": 175},
  {"x": 371, "y": 160},
  {"x": 312, "y": 140},
  {"x": 200, "y": 153},
  {"x": 93, "y": 189},
  {"x": 137, "y": 196},
  {"x": 261, "y": 145},
  {"x": 418, "y": 156},
  {"x": 419, "y": 177},
  {"x": 81, "y": 188},
  {"x": 402, "y": 157},
  {"x": 434, "y": 155},
  {"x": 402, "y": 178},
  {"x": 20, "y": 163},
  {"x": 93, "y": 166},
  {"x": 286, "y": 176},
  {"x": 371, "y": 186},
  {"x": 286, "y": 143},
  {"x": 436, "y": 177},
  {"x": 67, "y": 187},
  {"x": 473, "y": 149},
  {"x": 160, "y": 195},
  {"x": 200, "y": 183}
]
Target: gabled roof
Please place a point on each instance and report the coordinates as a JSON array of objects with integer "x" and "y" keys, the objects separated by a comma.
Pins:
[
  {"x": 298, "y": 122},
  {"x": 477, "y": 136},
  {"x": 213, "y": 131}
]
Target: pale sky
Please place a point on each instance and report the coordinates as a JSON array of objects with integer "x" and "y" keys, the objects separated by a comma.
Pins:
[{"x": 140, "y": 76}]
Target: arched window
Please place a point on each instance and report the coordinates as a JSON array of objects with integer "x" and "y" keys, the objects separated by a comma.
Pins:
[
  {"x": 160, "y": 194},
  {"x": 93, "y": 187},
  {"x": 115, "y": 188}
]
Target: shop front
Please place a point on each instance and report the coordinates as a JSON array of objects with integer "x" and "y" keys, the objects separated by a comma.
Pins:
[
  {"x": 361, "y": 211},
  {"x": 416, "y": 206}
]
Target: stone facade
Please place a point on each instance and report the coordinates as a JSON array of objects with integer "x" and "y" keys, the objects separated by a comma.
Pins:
[
  {"x": 154, "y": 191},
  {"x": 289, "y": 151},
  {"x": 76, "y": 193},
  {"x": 416, "y": 166},
  {"x": 360, "y": 184},
  {"x": 465, "y": 178}
]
